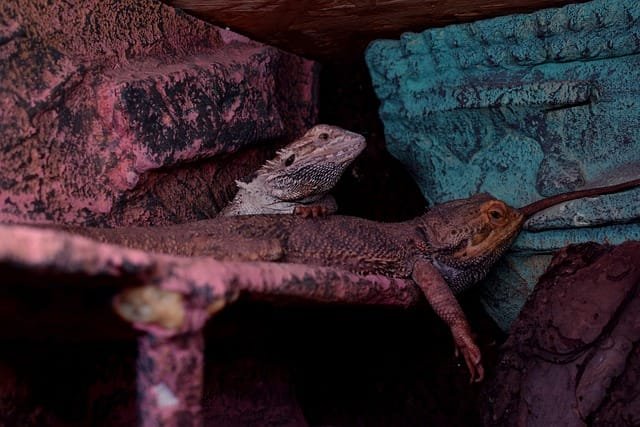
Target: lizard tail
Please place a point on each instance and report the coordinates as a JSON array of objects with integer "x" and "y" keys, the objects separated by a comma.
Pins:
[{"x": 547, "y": 202}]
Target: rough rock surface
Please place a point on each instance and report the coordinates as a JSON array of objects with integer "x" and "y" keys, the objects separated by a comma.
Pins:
[
  {"x": 70, "y": 361},
  {"x": 101, "y": 100},
  {"x": 573, "y": 355},
  {"x": 170, "y": 365},
  {"x": 522, "y": 107}
]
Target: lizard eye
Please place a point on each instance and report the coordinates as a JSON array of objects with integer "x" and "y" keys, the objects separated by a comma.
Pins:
[
  {"x": 495, "y": 214},
  {"x": 323, "y": 136},
  {"x": 289, "y": 160}
]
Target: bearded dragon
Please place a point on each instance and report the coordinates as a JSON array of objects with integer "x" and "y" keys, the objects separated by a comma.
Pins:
[
  {"x": 444, "y": 251},
  {"x": 298, "y": 179}
]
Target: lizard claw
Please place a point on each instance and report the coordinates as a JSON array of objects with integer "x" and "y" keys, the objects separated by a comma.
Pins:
[
  {"x": 312, "y": 211},
  {"x": 465, "y": 345}
]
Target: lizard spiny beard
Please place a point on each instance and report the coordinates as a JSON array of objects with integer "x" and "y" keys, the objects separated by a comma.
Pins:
[
  {"x": 462, "y": 275},
  {"x": 308, "y": 180}
]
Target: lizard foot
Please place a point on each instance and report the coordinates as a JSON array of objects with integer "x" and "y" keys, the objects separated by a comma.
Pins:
[
  {"x": 465, "y": 345},
  {"x": 444, "y": 303},
  {"x": 312, "y": 211}
]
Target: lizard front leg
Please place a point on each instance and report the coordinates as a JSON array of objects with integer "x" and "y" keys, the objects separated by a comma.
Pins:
[
  {"x": 322, "y": 207},
  {"x": 311, "y": 211},
  {"x": 445, "y": 304}
]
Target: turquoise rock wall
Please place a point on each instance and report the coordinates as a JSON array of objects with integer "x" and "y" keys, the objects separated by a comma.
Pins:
[{"x": 522, "y": 107}]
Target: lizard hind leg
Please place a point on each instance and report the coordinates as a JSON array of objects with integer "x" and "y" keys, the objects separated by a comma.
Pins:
[{"x": 444, "y": 303}]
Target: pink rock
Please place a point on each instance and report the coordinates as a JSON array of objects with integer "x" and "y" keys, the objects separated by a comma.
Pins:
[
  {"x": 98, "y": 101},
  {"x": 170, "y": 364}
]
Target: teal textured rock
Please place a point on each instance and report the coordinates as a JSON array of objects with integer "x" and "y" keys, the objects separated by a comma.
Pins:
[{"x": 522, "y": 107}]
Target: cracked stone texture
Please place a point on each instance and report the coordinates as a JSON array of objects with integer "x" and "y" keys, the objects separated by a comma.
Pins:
[
  {"x": 573, "y": 354},
  {"x": 120, "y": 112},
  {"x": 522, "y": 107}
]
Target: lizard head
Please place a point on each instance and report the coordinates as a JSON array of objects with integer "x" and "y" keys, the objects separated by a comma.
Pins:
[
  {"x": 311, "y": 165},
  {"x": 465, "y": 237}
]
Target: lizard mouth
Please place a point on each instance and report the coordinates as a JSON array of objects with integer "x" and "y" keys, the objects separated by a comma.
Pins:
[
  {"x": 348, "y": 150},
  {"x": 501, "y": 224}
]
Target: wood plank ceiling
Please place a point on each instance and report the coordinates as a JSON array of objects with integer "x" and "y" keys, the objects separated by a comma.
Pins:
[{"x": 335, "y": 30}]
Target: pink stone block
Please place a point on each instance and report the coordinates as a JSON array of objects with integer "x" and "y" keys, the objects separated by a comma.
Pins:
[{"x": 98, "y": 98}]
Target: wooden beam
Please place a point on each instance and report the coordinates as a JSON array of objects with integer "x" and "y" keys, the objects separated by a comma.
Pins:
[{"x": 334, "y": 29}]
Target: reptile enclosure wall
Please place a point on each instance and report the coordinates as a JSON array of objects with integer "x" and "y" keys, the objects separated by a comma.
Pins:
[
  {"x": 266, "y": 364},
  {"x": 336, "y": 33}
]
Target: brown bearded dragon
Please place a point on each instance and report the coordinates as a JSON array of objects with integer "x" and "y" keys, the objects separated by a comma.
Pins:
[
  {"x": 444, "y": 251},
  {"x": 298, "y": 179}
]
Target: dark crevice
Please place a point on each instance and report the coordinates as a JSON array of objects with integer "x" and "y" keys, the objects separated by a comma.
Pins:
[
  {"x": 376, "y": 186},
  {"x": 568, "y": 106}
]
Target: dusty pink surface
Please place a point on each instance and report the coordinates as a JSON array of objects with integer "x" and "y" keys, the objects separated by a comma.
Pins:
[
  {"x": 169, "y": 380},
  {"x": 98, "y": 99},
  {"x": 170, "y": 361},
  {"x": 202, "y": 280}
]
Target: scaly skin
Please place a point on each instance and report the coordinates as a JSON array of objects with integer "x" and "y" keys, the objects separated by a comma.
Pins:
[
  {"x": 298, "y": 179},
  {"x": 444, "y": 251}
]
